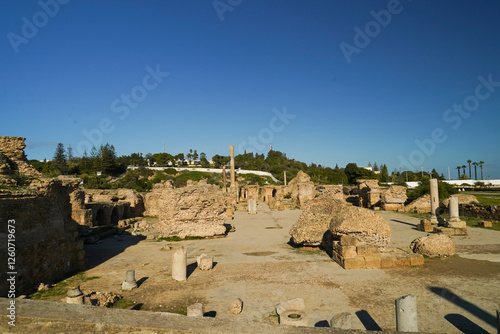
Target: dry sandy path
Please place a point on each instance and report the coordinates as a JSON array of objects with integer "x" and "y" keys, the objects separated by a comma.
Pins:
[{"x": 256, "y": 264}]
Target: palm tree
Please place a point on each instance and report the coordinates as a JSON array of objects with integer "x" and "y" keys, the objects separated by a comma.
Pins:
[
  {"x": 475, "y": 169},
  {"x": 481, "y": 163},
  {"x": 464, "y": 169},
  {"x": 458, "y": 169},
  {"x": 469, "y": 162}
]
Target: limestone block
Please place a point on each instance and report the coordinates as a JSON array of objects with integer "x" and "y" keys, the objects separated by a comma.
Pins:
[
  {"x": 195, "y": 310},
  {"x": 347, "y": 240},
  {"x": 354, "y": 263},
  {"x": 341, "y": 321},
  {"x": 372, "y": 262},
  {"x": 179, "y": 264},
  {"x": 485, "y": 224},
  {"x": 433, "y": 245},
  {"x": 348, "y": 251}
]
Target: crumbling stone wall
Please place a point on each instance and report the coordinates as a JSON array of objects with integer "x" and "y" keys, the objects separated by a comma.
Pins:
[
  {"x": 192, "y": 211},
  {"x": 152, "y": 199},
  {"x": 393, "y": 198},
  {"x": 369, "y": 193},
  {"x": 12, "y": 157},
  {"x": 46, "y": 237}
]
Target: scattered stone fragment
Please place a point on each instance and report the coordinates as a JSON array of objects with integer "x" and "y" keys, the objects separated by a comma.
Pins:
[
  {"x": 433, "y": 245},
  {"x": 296, "y": 304},
  {"x": 74, "y": 295},
  {"x": 341, "y": 321},
  {"x": 236, "y": 306},
  {"x": 130, "y": 283}
]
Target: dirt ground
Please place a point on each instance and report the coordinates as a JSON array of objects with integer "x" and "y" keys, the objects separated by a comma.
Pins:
[{"x": 256, "y": 263}]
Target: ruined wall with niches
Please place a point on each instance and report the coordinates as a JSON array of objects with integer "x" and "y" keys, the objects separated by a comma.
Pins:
[
  {"x": 12, "y": 157},
  {"x": 45, "y": 237}
]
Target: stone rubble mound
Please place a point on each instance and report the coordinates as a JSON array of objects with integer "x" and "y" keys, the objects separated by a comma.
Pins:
[{"x": 363, "y": 224}]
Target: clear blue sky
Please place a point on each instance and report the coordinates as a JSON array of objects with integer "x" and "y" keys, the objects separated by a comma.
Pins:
[{"x": 71, "y": 68}]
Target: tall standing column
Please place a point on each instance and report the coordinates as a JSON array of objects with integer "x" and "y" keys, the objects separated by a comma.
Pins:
[
  {"x": 179, "y": 264},
  {"x": 453, "y": 206},
  {"x": 284, "y": 176},
  {"x": 231, "y": 153},
  {"x": 434, "y": 201}
]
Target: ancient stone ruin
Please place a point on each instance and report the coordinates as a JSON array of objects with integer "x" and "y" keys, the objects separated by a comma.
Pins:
[
  {"x": 192, "y": 211},
  {"x": 13, "y": 160}
]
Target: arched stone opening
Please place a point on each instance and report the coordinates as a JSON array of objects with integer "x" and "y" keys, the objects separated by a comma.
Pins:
[
  {"x": 100, "y": 217},
  {"x": 115, "y": 216}
]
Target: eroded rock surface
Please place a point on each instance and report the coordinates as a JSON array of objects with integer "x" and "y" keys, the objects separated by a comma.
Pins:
[
  {"x": 192, "y": 211},
  {"x": 433, "y": 245},
  {"x": 363, "y": 224}
]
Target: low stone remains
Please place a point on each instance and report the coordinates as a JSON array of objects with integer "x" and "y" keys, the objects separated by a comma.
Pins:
[
  {"x": 462, "y": 199},
  {"x": 192, "y": 211},
  {"x": 205, "y": 262},
  {"x": 296, "y": 304},
  {"x": 425, "y": 226},
  {"x": 365, "y": 225},
  {"x": 341, "y": 321},
  {"x": 152, "y": 199},
  {"x": 433, "y": 245},
  {"x": 252, "y": 206},
  {"x": 101, "y": 299},
  {"x": 195, "y": 310},
  {"x": 236, "y": 306},
  {"x": 301, "y": 187},
  {"x": 331, "y": 191},
  {"x": 350, "y": 254},
  {"x": 454, "y": 225},
  {"x": 314, "y": 222},
  {"x": 369, "y": 193},
  {"x": 485, "y": 224},
  {"x": 393, "y": 198},
  {"x": 420, "y": 205},
  {"x": 130, "y": 283}
]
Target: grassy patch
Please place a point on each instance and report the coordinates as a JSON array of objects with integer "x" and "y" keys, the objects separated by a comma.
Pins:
[
  {"x": 176, "y": 238},
  {"x": 61, "y": 288},
  {"x": 487, "y": 199},
  {"x": 307, "y": 251},
  {"x": 123, "y": 304}
]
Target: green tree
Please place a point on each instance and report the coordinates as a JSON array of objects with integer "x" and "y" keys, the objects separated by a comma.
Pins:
[
  {"x": 384, "y": 174},
  {"x": 375, "y": 167},
  {"x": 470, "y": 175},
  {"x": 59, "y": 160},
  {"x": 481, "y": 163},
  {"x": 475, "y": 169},
  {"x": 203, "y": 160},
  {"x": 220, "y": 160}
]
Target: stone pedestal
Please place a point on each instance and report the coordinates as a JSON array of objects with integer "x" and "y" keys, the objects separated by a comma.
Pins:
[
  {"x": 195, "y": 310},
  {"x": 130, "y": 283},
  {"x": 205, "y": 262},
  {"x": 434, "y": 219},
  {"x": 406, "y": 314},
  {"x": 341, "y": 321},
  {"x": 252, "y": 206},
  {"x": 74, "y": 295},
  {"x": 179, "y": 264},
  {"x": 294, "y": 318}
]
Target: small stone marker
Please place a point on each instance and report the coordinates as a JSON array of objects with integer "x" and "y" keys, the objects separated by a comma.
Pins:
[
  {"x": 205, "y": 262},
  {"x": 236, "y": 306},
  {"x": 485, "y": 224},
  {"x": 179, "y": 264},
  {"x": 74, "y": 295},
  {"x": 406, "y": 314},
  {"x": 341, "y": 321},
  {"x": 195, "y": 310},
  {"x": 252, "y": 206},
  {"x": 130, "y": 283},
  {"x": 296, "y": 304}
]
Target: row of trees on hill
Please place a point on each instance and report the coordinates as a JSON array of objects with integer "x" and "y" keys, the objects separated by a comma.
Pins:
[{"x": 105, "y": 160}]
